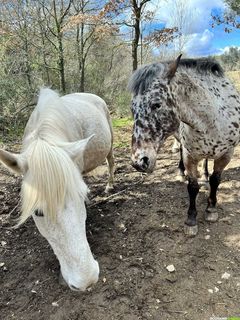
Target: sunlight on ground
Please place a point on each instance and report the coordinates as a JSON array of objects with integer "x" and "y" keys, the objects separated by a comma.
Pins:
[{"x": 233, "y": 241}]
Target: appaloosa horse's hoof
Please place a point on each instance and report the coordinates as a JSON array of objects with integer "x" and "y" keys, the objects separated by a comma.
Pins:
[
  {"x": 211, "y": 215},
  {"x": 190, "y": 231}
]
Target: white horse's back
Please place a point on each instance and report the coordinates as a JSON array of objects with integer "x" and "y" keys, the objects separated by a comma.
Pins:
[
  {"x": 78, "y": 115},
  {"x": 90, "y": 116}
]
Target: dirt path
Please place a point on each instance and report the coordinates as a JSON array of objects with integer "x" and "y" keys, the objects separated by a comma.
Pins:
[{"x": 134, "y": 234}]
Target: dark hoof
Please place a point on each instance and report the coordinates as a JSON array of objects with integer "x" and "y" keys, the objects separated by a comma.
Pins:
[
  {"x": 190, "y": 231},
  {"x": 211, "y": 215}
]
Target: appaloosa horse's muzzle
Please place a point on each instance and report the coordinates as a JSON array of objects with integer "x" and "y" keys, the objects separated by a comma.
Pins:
[{"x": 142, "y": 164}]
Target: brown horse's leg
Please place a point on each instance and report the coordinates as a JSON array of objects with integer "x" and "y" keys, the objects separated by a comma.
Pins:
[
  {"x": 214, "y": 181},
  {"x": 191, "y": 227},
  {"x": 110, "y": 162}
]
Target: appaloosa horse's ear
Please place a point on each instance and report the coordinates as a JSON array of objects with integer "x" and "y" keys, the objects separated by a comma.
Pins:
[{"x": 173, "y": 68}]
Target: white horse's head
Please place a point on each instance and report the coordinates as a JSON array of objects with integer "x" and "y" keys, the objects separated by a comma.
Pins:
[{"x": 53, "y": 192}]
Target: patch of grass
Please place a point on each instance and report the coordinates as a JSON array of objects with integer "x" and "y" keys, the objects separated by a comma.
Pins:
[
  {"x": 122, "y": 122},
  {"x": 122, "y": 129}
]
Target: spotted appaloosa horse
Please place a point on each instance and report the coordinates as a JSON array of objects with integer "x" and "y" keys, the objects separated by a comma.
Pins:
[
  {"x": 64, "y": 138},
  {"x": 194, "y": 97},
  {"x": 177, "y": 147}
]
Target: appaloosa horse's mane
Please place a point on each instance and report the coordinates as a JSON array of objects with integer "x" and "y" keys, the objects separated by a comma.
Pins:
[{"x": 142, "y": 78}]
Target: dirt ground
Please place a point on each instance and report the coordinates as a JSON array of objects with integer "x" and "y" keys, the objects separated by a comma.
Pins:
[{"x": 135, "y": 233}]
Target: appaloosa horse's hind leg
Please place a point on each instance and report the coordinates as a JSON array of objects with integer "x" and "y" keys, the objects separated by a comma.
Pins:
[
  {"x": 214, "y": 181},
  {"x": 110, "y": 163},
  {"x": 181, "y": 167},
  {"x": 205, "y": 170}
]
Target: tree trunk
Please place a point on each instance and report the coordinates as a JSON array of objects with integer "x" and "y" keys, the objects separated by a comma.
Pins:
[{"x": 61, "y": 64}]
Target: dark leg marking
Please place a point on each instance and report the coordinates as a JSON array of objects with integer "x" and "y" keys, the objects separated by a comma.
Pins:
[
  {"x": 193, "y": 189},
  {"x": 211, "y": 212},
  {"x": 205, "y": 165},
  {"x": 181, "y": 166}
]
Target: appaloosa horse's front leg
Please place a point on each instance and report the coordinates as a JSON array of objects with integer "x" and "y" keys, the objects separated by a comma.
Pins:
[
  {"x": 191, "y": 227},
  {"x": 214, "y": 181}
]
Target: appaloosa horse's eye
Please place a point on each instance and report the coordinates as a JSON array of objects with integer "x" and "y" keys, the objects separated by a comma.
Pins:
[{"x": 38, "y": 213}]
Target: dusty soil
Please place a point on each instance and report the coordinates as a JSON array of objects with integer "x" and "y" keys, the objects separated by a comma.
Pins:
[{"x": 135, "y": 234}]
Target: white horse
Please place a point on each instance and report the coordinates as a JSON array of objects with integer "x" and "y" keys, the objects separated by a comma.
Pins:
[{"x": 64, "y": 138}]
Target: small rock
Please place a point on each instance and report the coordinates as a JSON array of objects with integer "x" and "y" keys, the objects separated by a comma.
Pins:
[
  {"x": 170, "y": 268},
  {"x": 219, "y": 282},
  {"x": 210, "y": 290},
  {"x": 3, "y": 243},
  {"x": 2, "y": 264},
  {"x": 216, "y": 289},
  {"x": 226, "y": 275},
  {"x": 207, "y": 237},
  {"x": 55, "y": 304},
  {"x": 122, "y": 227},
  {"x": 104, "y": 279}
]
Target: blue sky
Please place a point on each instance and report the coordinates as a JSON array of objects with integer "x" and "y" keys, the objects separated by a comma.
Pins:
[{"x": 200, "y": 39}]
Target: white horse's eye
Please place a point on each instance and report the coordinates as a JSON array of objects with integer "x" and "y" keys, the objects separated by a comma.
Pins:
[{"x": 38, "y": 213}]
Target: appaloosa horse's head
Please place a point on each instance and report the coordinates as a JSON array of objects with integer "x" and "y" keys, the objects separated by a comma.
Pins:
[{"x": 153, "y": 111}]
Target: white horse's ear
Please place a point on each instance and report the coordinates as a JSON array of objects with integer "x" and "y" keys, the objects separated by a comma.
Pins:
[
  {"x": 77, "y": 148},
  {"x": 173, "y": 68},
  {"x": 13, "y": 161}
]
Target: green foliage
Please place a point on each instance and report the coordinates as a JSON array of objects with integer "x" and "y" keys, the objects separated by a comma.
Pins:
[
  {"x": 234, "y": 5},
  {"x": 122, "y": 122},
  {"x": 230, "y": 60},
  {"x": 122, "y": 104}
]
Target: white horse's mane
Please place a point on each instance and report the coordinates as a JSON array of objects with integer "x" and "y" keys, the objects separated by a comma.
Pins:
[{"x": 52, "y": 176}]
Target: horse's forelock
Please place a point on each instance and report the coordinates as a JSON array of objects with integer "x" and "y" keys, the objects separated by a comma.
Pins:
[
  {"x": 51, "y": 179},
  {"x": 142, "y": 78}
]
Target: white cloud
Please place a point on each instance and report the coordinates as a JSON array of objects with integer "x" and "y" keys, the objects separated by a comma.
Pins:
[
  {"x": 196, "y": 26},
  {"x": 199, "y": 11},
  {"x": 200, "y": 44}
]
